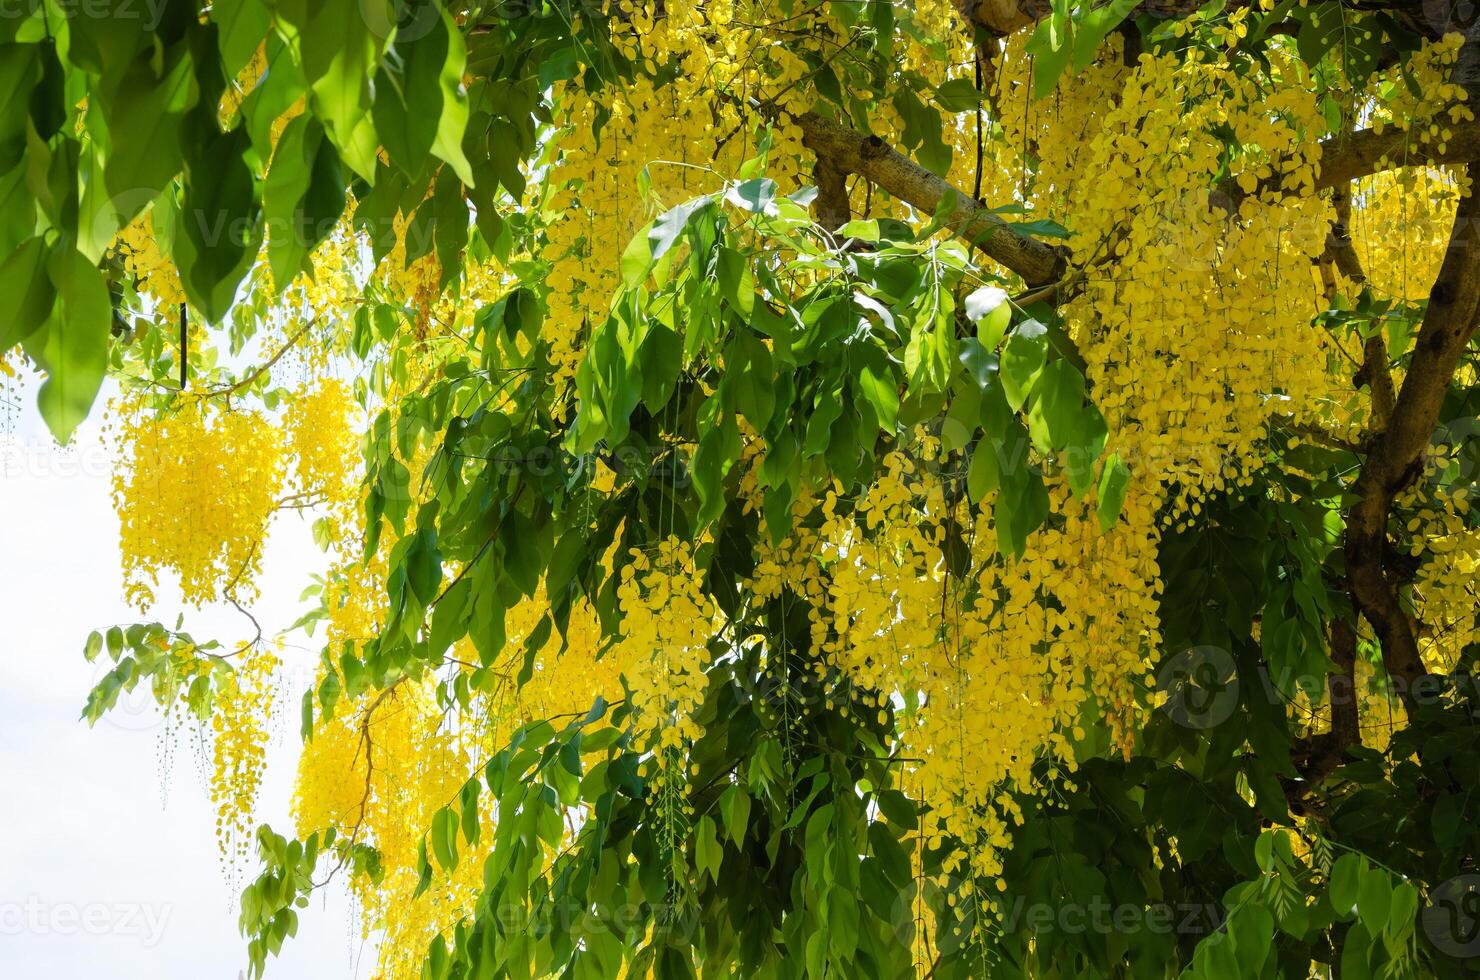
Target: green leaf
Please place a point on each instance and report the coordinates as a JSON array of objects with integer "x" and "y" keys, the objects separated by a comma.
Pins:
[
  {"x": 19, "y": 72},
  {"x": 1022, "y": 359},
  {"x": 757, "y": 195},
  {"x": 26, "y": 292},
  {"x": 843, "y": 918},
  {"x": 338, "y": 53},
  {"x": 736, "y": 281},
  {"x": 1058, "y": 403},
  {"x": 1091, "y": 28},
  {"x": 876, "y": 384},
  {"x": 408, "y": 101},
  {"x": 828, "y": 406},
  {"x": 453, "y": 121},
  {"x": 1264, "y": 851},
  {"x": 145, "y": 117},
  {"x": 672, "y": 223},
  {"x": 1356, "y": 963},
  {"x": 708, "y": 852},
  {"x": 989, "y": 309},
  {"x": 1403, "y": 910},
  {"x": 984, "y": 476},
  {"x": 1049, "y": 58},
  {"x": 48, "y": 101},
  {"x": 303, "y": 197},
  {"x": 637, "y": 258},
  {"x": 1346, "y": 877},
  {"x": 958, "y": 95},
  {"x": 891, "y": 855},
  {"x": 305, "y": 730},
  {"x": 735, "y": 805},
  {"x": 424, "y": 566},
  {"x": 73, "y": 347},
  {"x": 719, "y": 449},
  {"x": 1374, "y": 899},
  {"x": 444, "y": 838},
  {"x": 243, "y": 24},
  {"x": 1253, "y": 932},
  {"x": 748, "y": 372},
  {"x": 219, "y": 226},
  {"x": 1322, "y": 25},
  {"x": 897, "y": 808},
  {"x": 1114, "y": 479},
  {"x": 420, "y": 108},
  {"x": 1021, "y": 506}
]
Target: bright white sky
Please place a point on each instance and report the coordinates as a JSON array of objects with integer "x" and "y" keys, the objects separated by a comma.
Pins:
[{"x": 108, "y": 860}]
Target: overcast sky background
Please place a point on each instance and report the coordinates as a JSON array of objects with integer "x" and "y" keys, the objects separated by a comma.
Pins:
[{"x": 109, "y": 867}]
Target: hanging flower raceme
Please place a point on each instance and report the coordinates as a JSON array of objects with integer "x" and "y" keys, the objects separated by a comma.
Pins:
[{"x": 194, "y": 495}]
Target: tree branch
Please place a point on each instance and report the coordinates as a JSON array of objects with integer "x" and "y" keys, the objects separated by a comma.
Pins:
[
  {"x": 851, "y": 152},
  {"x": 832, "y": 195},
  {"x": 1352, "y": 156},
  {"x": 1319, "y": 755},
  {"x": 1396, "y": 457},
  {"x": 257, "y": 372},
  {"x": 1366, "y": 152},
  {"x": 842, "y": 151},
  {"x": 1004, "y": 17},
  {"x": 1339, "y": 249}
]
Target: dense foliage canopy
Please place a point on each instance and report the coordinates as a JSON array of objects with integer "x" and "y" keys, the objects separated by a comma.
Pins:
[{"x": 810, "y": 487}]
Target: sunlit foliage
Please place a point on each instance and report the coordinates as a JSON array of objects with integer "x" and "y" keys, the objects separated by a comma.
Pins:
[{"x": 801, "y": 483}]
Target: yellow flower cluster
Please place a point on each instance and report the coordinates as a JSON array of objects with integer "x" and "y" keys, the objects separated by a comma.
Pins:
[
  {"x": 334, "y": 279},
  {"x": 378, "y": 773},
  {"x": 1195, "y": 319},
  {"x": 992, "y": 670},
  {"x": 1059, "y": 130},
  {"x": 884, "y": 593},
  {"x": 193, "y": 496},
  {"x": 565, "y": 681},
  {"x": 667, "y": 623},
  {"x": 1401, "y": 218},
  {"x": 1446, "y": 546},
  {"x": 241, "y": 721},
  {"x": 678, "y": 138},
  {"x": 1400, "y": 242},
  {"x": 320, "y": 421},
  {"x": 155, "y": 274}
]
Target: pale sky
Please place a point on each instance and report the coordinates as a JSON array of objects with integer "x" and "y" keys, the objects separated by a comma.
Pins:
[{"x": 109, "y": 867}]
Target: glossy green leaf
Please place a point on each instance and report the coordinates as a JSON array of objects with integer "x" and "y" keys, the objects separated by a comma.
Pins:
[{"x": 73, "y": 345}]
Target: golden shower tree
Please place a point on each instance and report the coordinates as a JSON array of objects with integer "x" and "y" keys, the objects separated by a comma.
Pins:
[{"x": 810, "y": 487}]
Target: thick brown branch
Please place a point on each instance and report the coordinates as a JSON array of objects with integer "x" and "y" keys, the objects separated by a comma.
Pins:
[
  {"x": 1004, "y": 17},
  {"x": 1376, "y": 376},
  {"x": 851, "y": 152},
  {"x": 832, "y": 195},
  {"x": 1396, "y": 457},
  {"x": 1319, "y": 755},
  {"x": 1339, "y": 248},
  {"x": 1366, "y": 152},
  {"x": 1341, "y": 685}
]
